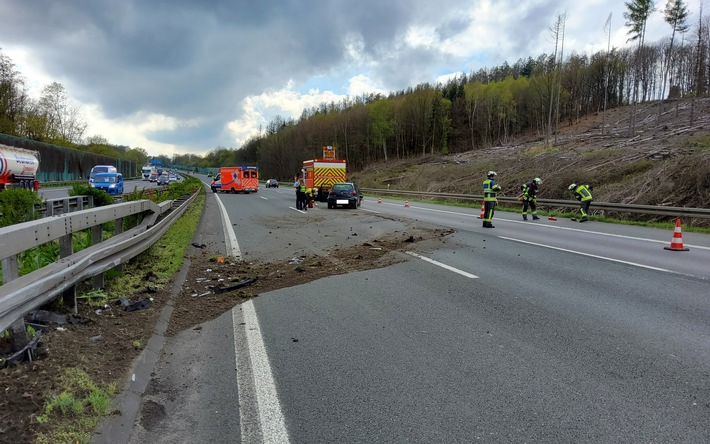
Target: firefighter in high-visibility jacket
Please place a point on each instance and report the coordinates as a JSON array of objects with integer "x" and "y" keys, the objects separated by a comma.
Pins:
[
  {"x": 529, "y": 198},
  {"x": 583, "y": 193},
  {"x": 490, "y": 191},
  {"x": 302, "y": 194}
]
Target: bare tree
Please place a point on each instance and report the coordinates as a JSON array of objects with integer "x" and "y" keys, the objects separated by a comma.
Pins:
[
  {"x": 556, "y": 33},
  {"x": 675, "y": 15},
  {"x": 64, "y": 120},
  {"x": 636, "y": 17},
  {"x": 607, "y": 68}
]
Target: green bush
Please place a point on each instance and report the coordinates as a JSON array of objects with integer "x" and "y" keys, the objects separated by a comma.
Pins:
[
  {"x": 101, "y": 197},
  {"x": 17, "y": 205}
]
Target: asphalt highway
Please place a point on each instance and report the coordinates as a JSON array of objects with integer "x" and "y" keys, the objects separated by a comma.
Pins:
[{"x": 545, "y": 331}]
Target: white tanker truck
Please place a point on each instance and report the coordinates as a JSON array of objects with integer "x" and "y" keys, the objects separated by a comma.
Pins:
[{"x": 18, "y": 168}]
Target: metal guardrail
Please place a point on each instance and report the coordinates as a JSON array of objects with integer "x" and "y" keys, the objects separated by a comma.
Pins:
[
  {"x": 684, "y": 212},
  {"x": 52, "y": 207},
  {"x": 19, "y": 295}
]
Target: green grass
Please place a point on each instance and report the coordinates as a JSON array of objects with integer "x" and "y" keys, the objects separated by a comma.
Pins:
[
  {"x": 163, "y": 258},
  {"x": 75, "y": 409},
  {"x": 78, "y": 404},
  {"x": 702, "y": 142}
]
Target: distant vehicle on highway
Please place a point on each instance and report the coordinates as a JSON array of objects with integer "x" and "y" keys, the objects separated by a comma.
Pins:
[
  {"x": 101, "y": 169},
  {"x": 272, "y": 183},
  {"x": 172, "y": 177},
  {"x": 163, "y": 179},
  {"x": 146, "y": 171},
  {"x": 112, "y": 183},
  {"x": 154, "y": 176}
]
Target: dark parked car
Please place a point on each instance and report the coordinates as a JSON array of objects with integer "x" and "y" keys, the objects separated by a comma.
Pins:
[
  {"x": 272, "y": 183},
  {"x": 344, "y": 194}
]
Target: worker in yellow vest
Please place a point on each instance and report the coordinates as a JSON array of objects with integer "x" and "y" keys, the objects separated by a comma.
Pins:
[
  {"x": 583, "y": 194},
  {"x": 490, "y": 191}
]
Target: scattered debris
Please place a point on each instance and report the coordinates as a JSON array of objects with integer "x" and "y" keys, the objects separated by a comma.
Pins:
[
  {"x": 45, "y": 316},
  {"x": 409, "y": 239},
  {"x": 234, "y": 286},
  {"x": 78, "y": 319},
  {"x": 196, "y": 245},
  {"x": 195, "y": 295},
  {"x": 140, "y": 305},
  {"x": 27, "y": 350},
  {"x": 97, "y": 338}
]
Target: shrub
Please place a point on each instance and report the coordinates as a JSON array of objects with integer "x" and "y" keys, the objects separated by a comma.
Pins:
[{"x": 17, "y": 205}]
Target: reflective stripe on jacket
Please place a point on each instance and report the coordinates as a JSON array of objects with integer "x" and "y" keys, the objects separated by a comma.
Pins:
[
  {"x": 582, "y": 193},
  {"x": 489, "y": 190}
]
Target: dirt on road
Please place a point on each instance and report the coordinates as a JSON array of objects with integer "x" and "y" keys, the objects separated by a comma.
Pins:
[{"x": 104, "y": 342}]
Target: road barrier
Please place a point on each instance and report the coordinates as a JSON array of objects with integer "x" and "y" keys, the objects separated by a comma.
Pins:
[
  {"x": 21, "y": 294},
  {"x": 684, "y": 212}
]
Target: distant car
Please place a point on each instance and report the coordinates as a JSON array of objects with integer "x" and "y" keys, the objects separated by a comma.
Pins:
[
  {"x": 344, "y": 194},
  {"x": 101, "y": 169},
  {"x": 112, "y": 183},
  {"x": 163, "y": 179},
  {"x": 209, "y": 174},
  {"x": 272, "y": 183},
  {"x": 153, "y": 176},
  {"x": 173, "y": 177}
]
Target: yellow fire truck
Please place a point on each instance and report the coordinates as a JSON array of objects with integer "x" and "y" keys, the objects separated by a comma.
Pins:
[{"x": 321, "y": 174}]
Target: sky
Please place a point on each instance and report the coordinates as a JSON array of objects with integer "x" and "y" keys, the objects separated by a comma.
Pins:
[{"x": 184, "y": 76}]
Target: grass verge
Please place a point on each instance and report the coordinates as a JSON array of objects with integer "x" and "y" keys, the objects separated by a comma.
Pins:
[{"x": 74, "y": 409}]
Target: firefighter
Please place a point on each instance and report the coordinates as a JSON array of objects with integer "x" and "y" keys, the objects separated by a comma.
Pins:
[
  {"x": 302, "y": 194},
  {"x": 529, "y": 198},
  {"x": 584, "y": 195},
  {"x": 309, "y": 197},
  {"x": 297, "y": 187},
  {"x": 490, "y": 190}
]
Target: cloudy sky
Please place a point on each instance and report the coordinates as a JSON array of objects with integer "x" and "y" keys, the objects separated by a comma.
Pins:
[{"x": 179, "y": 76}]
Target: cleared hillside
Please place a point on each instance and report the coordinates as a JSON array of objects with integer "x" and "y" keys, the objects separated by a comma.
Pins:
[{"x": 665, "y": 161}]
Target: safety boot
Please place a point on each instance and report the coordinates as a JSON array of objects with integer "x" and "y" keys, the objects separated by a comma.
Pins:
[
  {"x": 535, "y": 217},
  {"x": 584, "y": 219},
  {"x": 525, "y": 217}
]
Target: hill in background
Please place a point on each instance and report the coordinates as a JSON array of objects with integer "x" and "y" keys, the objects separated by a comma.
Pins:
[{"x": 665, "y": 161}]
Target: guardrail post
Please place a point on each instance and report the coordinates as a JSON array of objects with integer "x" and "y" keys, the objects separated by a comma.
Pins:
[
  {"x": 96, "y": 238},
  {"x": 118, "y": 229},
  {"x": 18, "y": 331},
  {"x": 65, "y": 205},
  {"x": 66, "y": 248}
]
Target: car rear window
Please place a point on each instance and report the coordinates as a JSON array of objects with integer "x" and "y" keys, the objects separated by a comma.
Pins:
[{"x": 342, "y": 187}]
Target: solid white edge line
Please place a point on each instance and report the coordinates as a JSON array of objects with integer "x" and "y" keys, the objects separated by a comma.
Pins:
[
  {"x": 271, "y": 419},
  {"x": 621, "y": 236},
  {"x": 649, "y": 267},
  {"x": 229, "y": 236},
  {"x": 439, "y": 264}
]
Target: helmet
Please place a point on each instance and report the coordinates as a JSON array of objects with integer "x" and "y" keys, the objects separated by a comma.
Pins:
[
  {"x": 492, "y": 173},
  {"x": 572, "y": 186},
  {"x": 537, "y": 181}
]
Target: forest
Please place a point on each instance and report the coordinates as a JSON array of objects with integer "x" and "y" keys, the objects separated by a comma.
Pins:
[{"x": 487, "y": 107}]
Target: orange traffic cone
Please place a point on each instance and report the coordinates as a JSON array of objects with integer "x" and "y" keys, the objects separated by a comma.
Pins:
[
  {"x": 379, "y": 200},
  {"x": 406, "y": 204},
  {"x": 677, "y": 242},
  {"x": 483, "y": 211}
]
